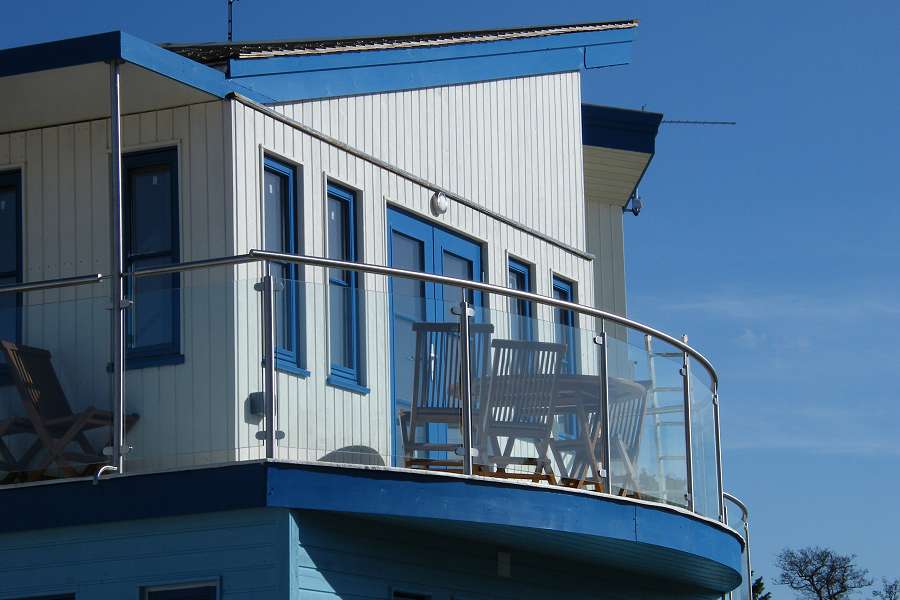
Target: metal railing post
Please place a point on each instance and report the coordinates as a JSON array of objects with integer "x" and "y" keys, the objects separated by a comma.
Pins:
[
  {"x": 269, "y": 377},
  {"x": 602, "y": 340},
  {"x": 117, "y": 285},
  {"x": 720, "y": 480},
  {"x": 688, "y": 438},
  {"x": 464, "y": 311}
]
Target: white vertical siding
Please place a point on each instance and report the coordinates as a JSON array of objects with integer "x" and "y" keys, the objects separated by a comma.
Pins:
[
  {"x": 511, "y": 146},
  {"x": 185, "y": 415}
]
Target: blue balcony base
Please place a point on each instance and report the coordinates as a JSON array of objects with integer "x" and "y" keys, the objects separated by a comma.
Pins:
[{"x": 583, "y": 539}]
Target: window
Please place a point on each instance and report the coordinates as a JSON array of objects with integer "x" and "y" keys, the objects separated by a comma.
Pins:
[
  {"x": 398, "y": 595},
  {"x": 195, "y": 592},
  {"x": 151, "y": 240},
  {"x": 10, "y": 259},
  {"x": 521, "y": 311},
  {"x": 282, "y": 234},
  {"x": 343, "y": 298},
  {"x": 565, "y": 323}
]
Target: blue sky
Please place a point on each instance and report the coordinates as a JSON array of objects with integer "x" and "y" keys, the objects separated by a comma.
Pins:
[{"x": 773, "y": 244}]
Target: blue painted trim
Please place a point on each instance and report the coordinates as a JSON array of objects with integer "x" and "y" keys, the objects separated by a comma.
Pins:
[
  {"x": 348, "y": 376},
  {"x": 14, "y": 179},
  {"x": 291, "y": 358},
  {"x": 167, "y": 353},
  {"x": 564, "y": 289},
  {"x": 619, "y": 128},
  {"x": 524, "y": 310},
  {"x": 349, "y": 385},
  {"x": 291, "y": 78}
]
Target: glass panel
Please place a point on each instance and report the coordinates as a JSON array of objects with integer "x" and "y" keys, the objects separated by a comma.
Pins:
[
  {"x": 647, "y": 437},
  {"x": 151, "y": 209},
  {"x": 152, "y": 317},
  {"x": 703, "y": 443},
  {"x": 9, "y": 253},
  {"x": 460, "y": 268},
  {"x": 8, "y": 314},
  {"x": 208, "y": 409},
  {"x": 340, "y": 324},
  {"x": 274, "y": 206},
  {"x": 60, "y": 375},
  {"x": 337, "y": 229}
]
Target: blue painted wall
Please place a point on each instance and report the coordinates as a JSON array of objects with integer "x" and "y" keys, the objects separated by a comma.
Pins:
[
  {"x": 246, "y": 551},
  {"x": 278, "y": 554},
  {"x": 356, "y": 558}
]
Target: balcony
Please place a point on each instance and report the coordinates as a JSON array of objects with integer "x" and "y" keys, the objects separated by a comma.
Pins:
[{"x": 448, "y": 378}]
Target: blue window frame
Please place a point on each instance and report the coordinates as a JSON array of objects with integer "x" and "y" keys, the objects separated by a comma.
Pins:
[
  {"x": 10, "y": 260},
  {"x": 565, "y": 324},
  {"x": 153, "y": 322},
  {"x": 521, "y": 311},
  {"x": 343, "y": 296},
  {"x": 281, "y": 234}
]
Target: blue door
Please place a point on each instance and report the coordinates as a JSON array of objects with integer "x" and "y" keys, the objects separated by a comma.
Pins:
[{"x": 417, "y": 245}]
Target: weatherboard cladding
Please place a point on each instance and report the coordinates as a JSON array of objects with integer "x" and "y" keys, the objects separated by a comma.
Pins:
[{"x": 488, "y": 141}]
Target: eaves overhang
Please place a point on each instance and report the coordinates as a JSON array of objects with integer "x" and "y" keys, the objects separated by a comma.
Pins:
[
  {"x": 619, "y": 533},
  {"x": 67, "y": 81}
]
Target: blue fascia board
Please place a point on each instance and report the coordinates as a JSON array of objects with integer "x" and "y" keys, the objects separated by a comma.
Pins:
[
  {"x": 121, "y": 46},
  {"x": 60, "y": 53},
  {"x": 619, "y": 128},
  {"x": 293, "y": 78},
  {"x": 372, "y": 58},
  {"x": 398, "y": 77}
]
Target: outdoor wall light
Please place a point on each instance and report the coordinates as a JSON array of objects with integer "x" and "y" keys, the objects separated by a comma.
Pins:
[
  {"x": 439, "y": 203},
  {"x": 636, "y": 202}
]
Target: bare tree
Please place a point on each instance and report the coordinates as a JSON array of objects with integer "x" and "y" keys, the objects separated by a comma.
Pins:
[
  {"x": 820, "y": 573},
  {"x": 890, "y": 590}
]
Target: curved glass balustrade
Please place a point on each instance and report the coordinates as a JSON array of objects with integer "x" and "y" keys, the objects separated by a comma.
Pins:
[{"x": 378, "y": 373}]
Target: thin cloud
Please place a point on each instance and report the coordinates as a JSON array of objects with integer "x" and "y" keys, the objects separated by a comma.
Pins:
[{"x": 750, "y": 306}]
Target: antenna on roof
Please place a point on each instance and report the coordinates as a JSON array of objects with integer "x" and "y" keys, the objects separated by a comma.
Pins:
[
  {"x": 230, "y": 20},
  {"x": 688, "y": 122}
]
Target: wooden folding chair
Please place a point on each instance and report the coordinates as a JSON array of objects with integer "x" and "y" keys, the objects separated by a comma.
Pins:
[
  {"x": 519, "y": 408},
  {"x": 49, "y": 416},
  {"x": 626, "y": 425},
  {"x": 435, "y": 397}
]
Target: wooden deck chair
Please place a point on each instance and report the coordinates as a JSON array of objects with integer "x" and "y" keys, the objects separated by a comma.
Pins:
[
  {"x": 435, "y": 397},
  {"x": 519, "y": 408},
  {"x": 50, "y": 417},
  {"x": 626, "y": 425},
  {"x": 585, "y": 464}
]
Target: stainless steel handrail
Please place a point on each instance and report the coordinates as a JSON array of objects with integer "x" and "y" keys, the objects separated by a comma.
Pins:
[
  {"x": 49, "y": 284},
  {"x": 318, "y": 261},
  {"x": 745, "y": 519},
  {"x": 488, "y": 287}
]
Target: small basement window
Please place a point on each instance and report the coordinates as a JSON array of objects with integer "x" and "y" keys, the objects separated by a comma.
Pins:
[{"x": 207, "y": 591}]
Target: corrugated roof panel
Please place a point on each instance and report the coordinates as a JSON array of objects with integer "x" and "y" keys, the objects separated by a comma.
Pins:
[{"x": 218, "y": 53}]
